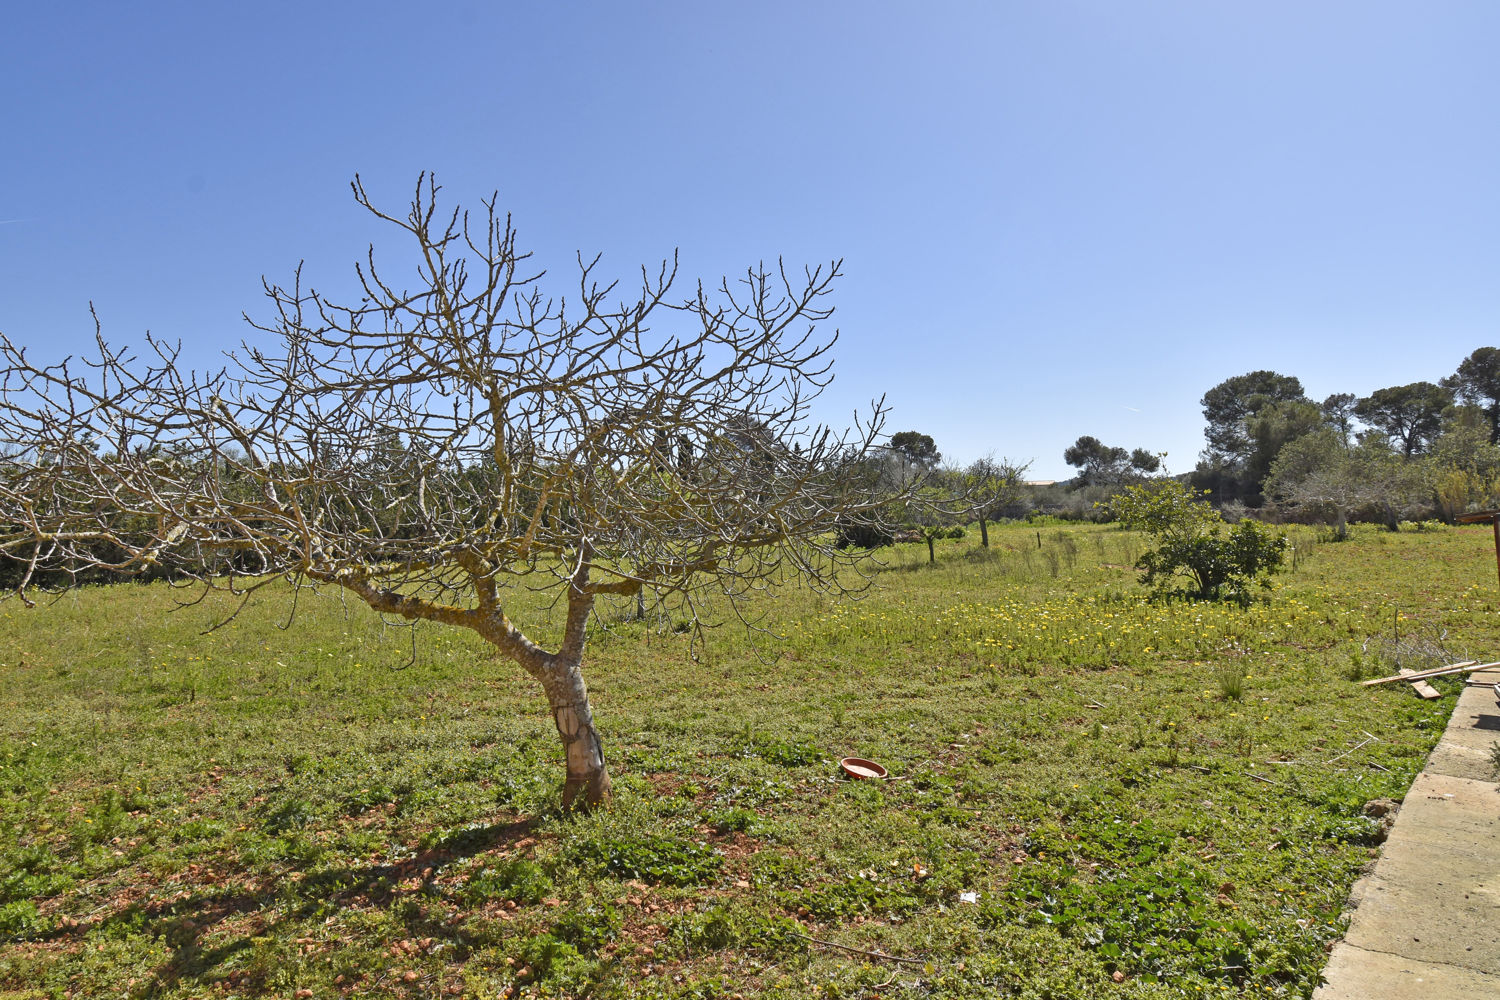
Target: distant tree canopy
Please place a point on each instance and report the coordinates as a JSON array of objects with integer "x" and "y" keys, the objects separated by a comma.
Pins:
[
  {"x": 918, "y": 449},
  {"x": 1410, "y": 415},
  {"x": 1249, "y": 418},
  {"x": 1098, "y": 464},
  {"x": 1338, "y": 414},
  {"x": 1403, "y": 451},
  {"x": 1229, "y": 406},
  {"x": 1477, "y": 381}
]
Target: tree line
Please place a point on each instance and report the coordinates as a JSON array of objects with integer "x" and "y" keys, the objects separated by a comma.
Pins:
[{"x": 1403, "y": 452}]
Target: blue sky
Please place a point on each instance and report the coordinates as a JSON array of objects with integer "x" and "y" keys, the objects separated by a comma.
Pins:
[{"x": 1056, "y": 218}]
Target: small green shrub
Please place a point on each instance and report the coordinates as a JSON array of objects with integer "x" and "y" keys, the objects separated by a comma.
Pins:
[
  {"x": 362, "y": 800},
  {"x": 1192, "y": 545},
  {"x": 736, "y": 819},
  {"x": 717, "y": 928},
  {"x": 855, "y": 896},
  {"x": 553, "y": 961},
  {"x": 19, "y": 918}
]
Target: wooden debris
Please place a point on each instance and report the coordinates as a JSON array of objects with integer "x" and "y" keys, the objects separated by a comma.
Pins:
[
  {"x": 1422, "y": 688},
  {"x": 1455, "y": 668},
  {"x": 861, "y": 951}
]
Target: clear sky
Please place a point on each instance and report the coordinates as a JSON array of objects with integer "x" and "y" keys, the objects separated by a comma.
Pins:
[{"x": 1056, "y": 218}]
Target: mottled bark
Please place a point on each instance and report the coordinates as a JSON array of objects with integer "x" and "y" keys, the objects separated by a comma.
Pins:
[
  {"x": 587, "y": 783},
  {"x": 568, "y": 697}
]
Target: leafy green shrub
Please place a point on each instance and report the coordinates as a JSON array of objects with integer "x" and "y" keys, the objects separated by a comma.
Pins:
[
  {"x": 736, "y": 819},
  {"x": 1158, "y": 919},
  {"x": 553, "y": 961},
  {"x": 854, "y": 896},
  {"x": 1192, "y": 545},
  {"x": 293, "y": 814},
  {"x": 1364, "y": 831},
  {"x": 362, "y": 800},
  {"x": 33, "y": 873}
]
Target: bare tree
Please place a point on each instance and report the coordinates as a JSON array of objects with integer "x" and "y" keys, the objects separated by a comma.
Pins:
[
  {"x": 1316, "y": 472},
  {"x": 994, "y": 487},
  {"x": 429, "y": 449}
]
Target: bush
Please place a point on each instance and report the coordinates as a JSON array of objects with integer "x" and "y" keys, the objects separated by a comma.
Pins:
[
  {"x": 1192, "y": 544},
  {"x": 862, "y": 535},
  {"x": 1220, "y": 567}
]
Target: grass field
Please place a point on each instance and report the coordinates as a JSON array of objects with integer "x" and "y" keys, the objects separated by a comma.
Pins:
[{"x": 1097, "y": 796}]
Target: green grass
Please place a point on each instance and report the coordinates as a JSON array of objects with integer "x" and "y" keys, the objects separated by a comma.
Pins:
[{"x": 321, "y": 803}]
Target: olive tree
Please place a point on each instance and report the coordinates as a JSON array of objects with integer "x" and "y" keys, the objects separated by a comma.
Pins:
[{"x": 430, "y": 447}]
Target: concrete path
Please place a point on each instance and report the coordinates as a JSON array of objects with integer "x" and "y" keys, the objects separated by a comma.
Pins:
[{"x": 1426, "y": 921}]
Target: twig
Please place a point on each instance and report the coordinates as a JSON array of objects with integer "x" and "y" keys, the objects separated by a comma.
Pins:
[
  {"x": 1362, "y": 744},
  {"x": 861, "y": 951},
  {"x": 1252, "y": 774}
]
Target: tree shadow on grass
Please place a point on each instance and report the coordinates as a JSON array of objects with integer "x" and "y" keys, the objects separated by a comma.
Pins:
[{"x": 183, "y": 924}]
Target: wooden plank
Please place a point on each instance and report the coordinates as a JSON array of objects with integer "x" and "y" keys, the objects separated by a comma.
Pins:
[
  {"x": 1422, "y": 687},
  {"x": 1455, "y": 668},
  {"x": 1406, "y": 674}
]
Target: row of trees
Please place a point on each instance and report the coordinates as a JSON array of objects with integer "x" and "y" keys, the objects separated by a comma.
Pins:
[
  {"x": 930, "y": 501},
  {"x": 1423, "y": 448},
  {"x": 1404, "y": 451}
]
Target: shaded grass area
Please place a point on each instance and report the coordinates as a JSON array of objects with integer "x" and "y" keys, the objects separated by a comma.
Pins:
[{"x": 1094, "y": 796}]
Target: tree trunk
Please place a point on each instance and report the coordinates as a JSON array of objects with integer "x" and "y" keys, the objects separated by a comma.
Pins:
[
  {"x": 587, "y": 783},
  {"x": 984, "y": 533},
  {"x": 568, "y": 697},
  {"x": 931, "y": 554}
]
